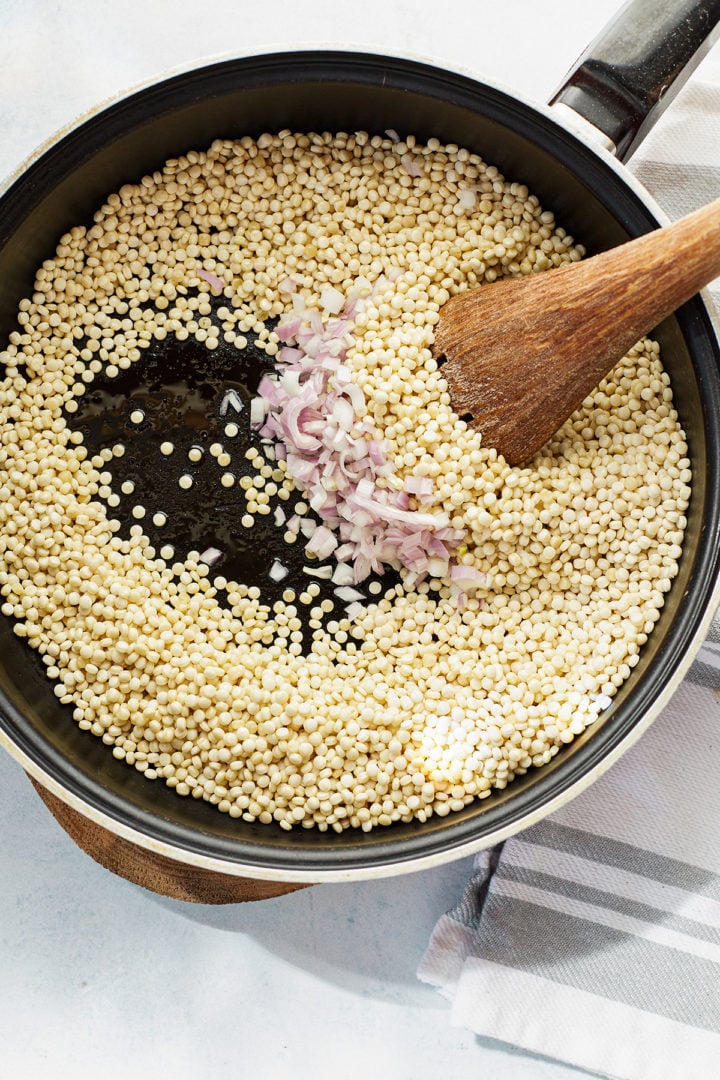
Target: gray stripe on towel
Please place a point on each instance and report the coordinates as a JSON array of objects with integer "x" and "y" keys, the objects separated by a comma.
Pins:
[
  {"x": 588, "y": 894},
  {"x": 469, "y": 909},
  {"x": 601, "y": 849},
  {"x": 704, "y": 674},
  {"x": 600, "y": 960},
  {"x": 705, "y": 671}
]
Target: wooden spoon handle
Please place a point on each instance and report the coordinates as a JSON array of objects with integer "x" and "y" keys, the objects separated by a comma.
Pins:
[{"x": 642, "y": 282}]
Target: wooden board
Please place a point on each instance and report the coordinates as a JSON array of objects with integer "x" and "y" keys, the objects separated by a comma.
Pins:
[{"x": 158, "y": 873}]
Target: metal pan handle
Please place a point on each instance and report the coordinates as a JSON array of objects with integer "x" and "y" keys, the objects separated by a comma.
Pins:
[{"x": 628, "y": 75}]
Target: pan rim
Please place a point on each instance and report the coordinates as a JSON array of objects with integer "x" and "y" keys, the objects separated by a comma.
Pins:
[{"x": 396, "y": 856}]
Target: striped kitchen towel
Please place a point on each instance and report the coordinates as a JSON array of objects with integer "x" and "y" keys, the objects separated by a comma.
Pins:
[{"x": 594, "y": 937}]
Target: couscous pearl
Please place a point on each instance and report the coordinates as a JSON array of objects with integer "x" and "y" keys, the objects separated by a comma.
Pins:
[{"x": 418, "y": 706}]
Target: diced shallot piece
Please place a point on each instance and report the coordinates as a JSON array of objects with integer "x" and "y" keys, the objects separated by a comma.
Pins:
[
  {"x": 346, "y": 593},
  {"x": 467, "y": 577},
  {"x": 278, "y": 571},
  {"x": 216, "y": 283},
  {"x": 353, "y": 610},
  {"x": 325, "y": 572},
  {"x": 231, "y": 400},
  {"x": 331, "y": 300},
  {"x": 210, "y": 555},
  {"x": 343, "y": 574},
  {"x": 322, "y": 542},
  {"x": 411, "y": 165}
]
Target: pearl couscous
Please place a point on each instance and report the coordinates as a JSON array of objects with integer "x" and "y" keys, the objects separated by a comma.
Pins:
[{"x": 303, "y": 711}]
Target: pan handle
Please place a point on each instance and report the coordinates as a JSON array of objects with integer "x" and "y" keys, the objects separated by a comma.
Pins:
[{"x": 631, "y": 72}]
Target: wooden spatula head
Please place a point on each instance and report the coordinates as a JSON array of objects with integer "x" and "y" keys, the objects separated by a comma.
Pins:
[{"x": 520, "y": 355}]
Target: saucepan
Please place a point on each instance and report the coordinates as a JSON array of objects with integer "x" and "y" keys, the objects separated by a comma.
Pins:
[{"x": 570, "y": 153}]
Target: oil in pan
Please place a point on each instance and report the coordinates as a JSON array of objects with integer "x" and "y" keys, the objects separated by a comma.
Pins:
[{"x": 184, "y": 465}]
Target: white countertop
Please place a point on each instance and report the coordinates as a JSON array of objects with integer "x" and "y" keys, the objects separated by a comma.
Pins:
[{"x": 98, "y": 976}]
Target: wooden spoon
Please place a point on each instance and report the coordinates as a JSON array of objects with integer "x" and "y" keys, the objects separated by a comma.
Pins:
[{"x": 523, "y": 353}]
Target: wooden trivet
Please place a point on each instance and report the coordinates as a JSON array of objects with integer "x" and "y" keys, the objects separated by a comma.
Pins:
[{"x": 156, "y": 872}]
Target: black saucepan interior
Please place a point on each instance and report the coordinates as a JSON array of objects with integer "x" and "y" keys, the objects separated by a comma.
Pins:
[{"x": 347, "y": 92}]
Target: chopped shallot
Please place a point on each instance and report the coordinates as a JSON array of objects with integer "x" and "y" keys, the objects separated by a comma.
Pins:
[
  {"x": 343, "y": 574},
  {"x": 325, "y": 572},
  {"x": 331, "y": 300},
  {"x": 216, "y": 283},
  {"x": 278, "y": 571},
  {"x": 344, "y": 592},
  {"x": 231, "y": 400},
  {"x": 307, "y": 527},
  {"x": 466, "y": 199},
  {"x": 411, "y": 164},
  {"x": 353, "y": 610},
  {"x": 467, "y": 576},
  {"x": 316, "y": 416},
  {"x": 210, "y": 555},
  {"x": 422, "y": 486},
  {"x": 322, "y": 542},
  {"x": 258, "y": 411}
]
